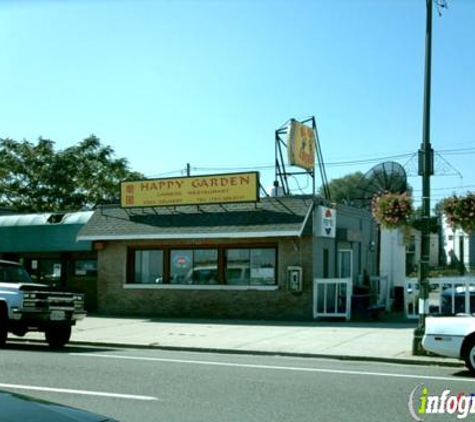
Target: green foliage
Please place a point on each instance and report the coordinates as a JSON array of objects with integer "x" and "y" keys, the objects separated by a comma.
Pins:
[
  {"x": 36, "y": 178},
  {"x": 345, "y": 190},
  {"x": 350, "y": 189},
  {"x": 392, "y": 210},
  {"x": 417, "y": 222},
  {"x": 460, "y": 211}
]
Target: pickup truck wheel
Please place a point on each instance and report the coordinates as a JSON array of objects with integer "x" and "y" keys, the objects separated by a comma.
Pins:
[
  {"x": 469, "y": 356},
  {"x": 3, "y": 333},
  {"x": 57, "y": 337},
  {"x": 3, "y": 325}
]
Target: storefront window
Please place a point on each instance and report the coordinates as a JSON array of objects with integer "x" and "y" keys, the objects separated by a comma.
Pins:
[
  {"x": 205, "y": 266},
  {"x": 85, "y": 267},
  {"x": 148, "y": 267},
  {"x": 238, "y": 267},
  {"x": 194, "y": 266},
  {"x": 250, "y": 266},
  {"x": 47, "y": 271}
]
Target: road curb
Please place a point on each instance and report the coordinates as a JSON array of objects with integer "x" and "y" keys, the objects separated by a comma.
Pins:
[{"x": 431, "y": 361}]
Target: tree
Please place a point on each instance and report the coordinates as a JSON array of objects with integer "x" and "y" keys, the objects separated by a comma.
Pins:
[
  {"x": 36, "y": 178},
  {"x": 345, "y": 190},
  {"x": 354, "y": 189},
  {"x": 416, "y": 221}
]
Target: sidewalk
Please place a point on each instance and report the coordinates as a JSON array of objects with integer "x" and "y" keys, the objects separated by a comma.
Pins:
[{"x": 378, "y": 341}]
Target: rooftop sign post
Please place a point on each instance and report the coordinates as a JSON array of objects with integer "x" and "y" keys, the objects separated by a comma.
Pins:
[{"x": 197, "y": 190}]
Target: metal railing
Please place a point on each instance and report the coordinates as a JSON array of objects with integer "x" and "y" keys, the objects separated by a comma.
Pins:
[
  {"x": 380, "y": 291},
  {"x": 447, "y": 296},
  {"x": 332, "y": 298}
]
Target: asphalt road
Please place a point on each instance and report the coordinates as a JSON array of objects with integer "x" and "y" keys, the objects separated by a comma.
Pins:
[{"x": 151, "y": 385}]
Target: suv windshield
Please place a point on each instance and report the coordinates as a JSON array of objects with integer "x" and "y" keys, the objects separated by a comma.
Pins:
[{"x": 11, "y": 273}]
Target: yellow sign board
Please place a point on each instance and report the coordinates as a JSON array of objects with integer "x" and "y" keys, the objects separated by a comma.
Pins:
[
  {"x": 301, "y": 145},
  {"x": 214, "y": 189}
]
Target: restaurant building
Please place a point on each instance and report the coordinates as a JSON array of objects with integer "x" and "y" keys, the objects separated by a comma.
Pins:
[{"x": 245, "y": 259}]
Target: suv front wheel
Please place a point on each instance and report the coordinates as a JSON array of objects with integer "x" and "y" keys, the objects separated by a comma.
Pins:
[{"x": 58, "y": 336}]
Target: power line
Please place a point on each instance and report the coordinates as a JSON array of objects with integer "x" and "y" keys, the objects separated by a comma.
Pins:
[
  {"x": 452, "y": 152},
  {"x": 168, "y": 173},
  {"x": 457, "y": 151},
  {"x": 449, "y": 188}
]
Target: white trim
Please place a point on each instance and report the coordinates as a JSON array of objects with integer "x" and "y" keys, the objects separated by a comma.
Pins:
[
  {"x": 340, "y": 251},
  {"x": 309, "y": 212},
  {"x": 332, "y": 282},
  {"x": 172, "y": 236},
  {"x": 197, "y": 287}
]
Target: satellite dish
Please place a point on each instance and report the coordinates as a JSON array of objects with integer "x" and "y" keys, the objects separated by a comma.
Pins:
[{"x": 384, "y": 177}]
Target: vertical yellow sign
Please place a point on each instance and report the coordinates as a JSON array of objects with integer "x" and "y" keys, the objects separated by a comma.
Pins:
[{"x": 301, "y": 145}]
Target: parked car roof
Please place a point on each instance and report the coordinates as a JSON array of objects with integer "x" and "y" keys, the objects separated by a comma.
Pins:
[
  {"x": 16, "y": 407},
  {"x": 5, "y": 261}
]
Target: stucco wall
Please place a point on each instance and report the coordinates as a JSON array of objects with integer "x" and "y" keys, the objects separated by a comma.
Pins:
[
  {"x": 115, "y": 297},
  {"x": 365, "y": 244}
]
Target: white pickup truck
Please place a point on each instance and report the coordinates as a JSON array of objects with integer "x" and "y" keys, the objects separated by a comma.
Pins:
[
  {"x": 26, "y": 306},
  {"x": 451, "y": 336}
]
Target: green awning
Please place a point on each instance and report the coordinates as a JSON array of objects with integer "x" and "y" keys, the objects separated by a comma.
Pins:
[{"x": 43, "y": 232}]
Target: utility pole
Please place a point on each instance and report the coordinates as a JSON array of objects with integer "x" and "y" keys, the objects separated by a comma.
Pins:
[{"x": 426, "y": 169}]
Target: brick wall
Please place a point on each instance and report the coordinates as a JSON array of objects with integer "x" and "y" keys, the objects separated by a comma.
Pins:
[{"x": 280, "y": 304}]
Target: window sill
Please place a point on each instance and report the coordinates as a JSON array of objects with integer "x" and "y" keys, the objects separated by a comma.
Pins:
[{"x": 197, "y": 287}]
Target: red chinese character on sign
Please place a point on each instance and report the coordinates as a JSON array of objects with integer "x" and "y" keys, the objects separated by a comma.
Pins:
[
  {"x": 130, "y": 189},
  {"x": 129, "y": 200}
]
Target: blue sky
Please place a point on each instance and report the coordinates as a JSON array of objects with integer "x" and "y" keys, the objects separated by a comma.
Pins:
[{"x": 207, "y": 82}]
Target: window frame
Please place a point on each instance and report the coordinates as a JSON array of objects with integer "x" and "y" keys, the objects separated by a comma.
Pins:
[
  {"x": 130, "y": 273},
  {"x": 193, "y": 250},
  {"x": 340, "y": 263},
  {"x": 74, "y": 269},
  {"x": 221, "y": 262},
  {"x": 250, "y": 248}
]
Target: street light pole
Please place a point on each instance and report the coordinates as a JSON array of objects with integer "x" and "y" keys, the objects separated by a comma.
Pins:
[{"x": 426, "y": 169}]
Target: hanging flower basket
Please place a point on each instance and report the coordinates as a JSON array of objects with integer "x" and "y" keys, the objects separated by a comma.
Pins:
[
  {"x": 460, "y": 211},
  {"x": 392, "y": 210}
]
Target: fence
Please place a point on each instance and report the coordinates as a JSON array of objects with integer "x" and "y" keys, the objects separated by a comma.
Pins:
[
  {"x": 380, "y": 292},
  {"x": 332, "y": 298},
  {"x": 447, "y": 296}
]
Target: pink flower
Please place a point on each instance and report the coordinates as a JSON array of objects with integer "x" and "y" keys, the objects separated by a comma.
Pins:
[
  {"x": 460, "y": 211},
  {"x": 391, "y": 209}
]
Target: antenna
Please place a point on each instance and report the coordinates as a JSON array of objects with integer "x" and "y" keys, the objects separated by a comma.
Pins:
[{"x": 384, "y": 177}]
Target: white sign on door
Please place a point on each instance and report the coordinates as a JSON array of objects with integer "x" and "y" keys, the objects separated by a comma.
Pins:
[{"x": 325, "y": 224}]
